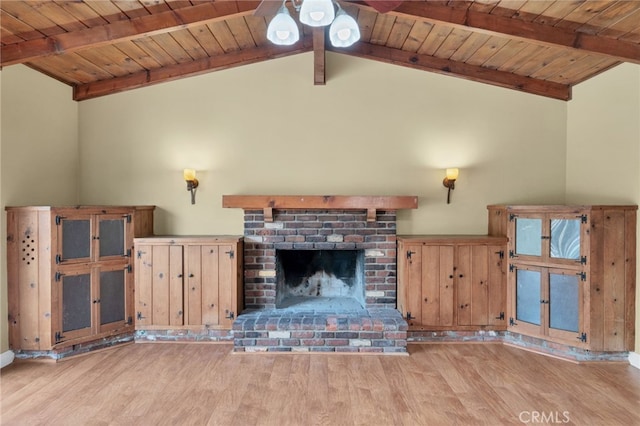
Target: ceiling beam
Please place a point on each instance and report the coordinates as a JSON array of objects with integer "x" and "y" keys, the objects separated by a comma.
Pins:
[
  {"x": 118, "y": 31},
  {"x": 531, "y": 32},
  {"x": 458, "y": 69},
  {"x": 319, "y": 56},
  {"x": 174, "y": 72}
]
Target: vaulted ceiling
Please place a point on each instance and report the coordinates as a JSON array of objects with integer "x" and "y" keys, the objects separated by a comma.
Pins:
[{"x": 535, "y": 46}]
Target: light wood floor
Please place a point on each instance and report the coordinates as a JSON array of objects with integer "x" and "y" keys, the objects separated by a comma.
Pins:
[{"x": 197, "y": 384}]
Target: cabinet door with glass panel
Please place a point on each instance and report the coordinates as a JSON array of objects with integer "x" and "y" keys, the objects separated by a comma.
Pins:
[
  {"x": 558, "y": 238},
  {"x": 548, "y": 302}
]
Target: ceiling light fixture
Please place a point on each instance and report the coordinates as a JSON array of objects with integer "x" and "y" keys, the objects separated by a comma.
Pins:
[{"x": 343, "y": 32}]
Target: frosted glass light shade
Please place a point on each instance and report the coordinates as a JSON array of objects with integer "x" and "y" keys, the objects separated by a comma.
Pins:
[
  {"x": 317, "y": 13},
  {"x": 282, "y": 29},
  {"x": 344, "y": 30},
  {"x": 452, "y": 174},
  {"x": 189, "y": 174}
]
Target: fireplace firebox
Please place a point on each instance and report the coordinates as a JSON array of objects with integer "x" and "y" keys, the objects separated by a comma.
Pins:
[{"x": 322, "y": 280}]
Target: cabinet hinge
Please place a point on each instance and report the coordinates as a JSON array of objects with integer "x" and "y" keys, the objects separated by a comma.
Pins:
[
  {"x": 58, "y": 259},
  {"x": 230, "y": 253},
  {"x": 500, "y": 254},
  {"x": 512, "y": 322},
  {"x": 130, "y": 320},
  {"x": 583, "y": 218},
  {"x": 410, "y": 253},
  {"x": 139, "y": 316},
  {"x": 59, "y": 219},
  {"x": 58, "y": 337},
  {"x": 230, "y": 315},
  {"x": 58, "y": 276},
  {"x": 408, "y": 317},
  {"x": 128, "y": 268},
  {"x": 582, "y": 275},
  {"x": 583, "y": 260},
  {"x": 127, "y": 253},
  {"x": 511, "y": 267},
  {"x": 139, "y": 254},
  {"x": 501, "y": 316},
  {"x": 127, "y": 217},
  {"x": 582, "y": 337},
  {"x": 512, "y": 254},
  {"x": 512, "y": 217}
]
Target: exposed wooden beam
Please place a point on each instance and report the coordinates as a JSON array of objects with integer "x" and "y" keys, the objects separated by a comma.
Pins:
[
  {"x": 458, "y": 69},
  {"x": 319, "y": 56},
  {"x": 144, "y": 26},
  {"x": 168, "y": 73},
  {"x": 531, "y": 32}
]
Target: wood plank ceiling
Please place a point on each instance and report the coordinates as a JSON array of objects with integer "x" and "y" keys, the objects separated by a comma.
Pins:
[{"x": 536, "y": 46}]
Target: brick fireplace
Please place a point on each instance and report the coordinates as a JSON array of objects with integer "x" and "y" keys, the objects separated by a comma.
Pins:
[{"x": 319, "y": 276}]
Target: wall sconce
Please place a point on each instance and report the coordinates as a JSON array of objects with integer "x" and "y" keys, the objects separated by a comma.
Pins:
[
  {"x": 450, "y": 182},
  {"x": 192, "y": 183}
]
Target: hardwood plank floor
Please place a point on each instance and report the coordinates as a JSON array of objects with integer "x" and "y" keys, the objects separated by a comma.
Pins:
[{"x": 438, "y": 384}]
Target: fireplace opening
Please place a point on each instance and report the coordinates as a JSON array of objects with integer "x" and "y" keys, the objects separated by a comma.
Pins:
[{"x": 320, "y": 279}]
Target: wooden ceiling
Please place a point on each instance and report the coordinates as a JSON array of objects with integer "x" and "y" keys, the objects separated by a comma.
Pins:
[{"x": 535, "y": 46}]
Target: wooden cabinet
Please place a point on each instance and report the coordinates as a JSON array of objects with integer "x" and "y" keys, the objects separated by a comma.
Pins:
[
  {"x": 188, "y": 282},
  {"x": 571, "y": 273},
  {"x": 452, "y": 282},
  {"x": 70, "y": 275}
]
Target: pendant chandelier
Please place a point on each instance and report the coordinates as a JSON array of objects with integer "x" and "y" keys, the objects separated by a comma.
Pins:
[{"x": 343, "y": 30}]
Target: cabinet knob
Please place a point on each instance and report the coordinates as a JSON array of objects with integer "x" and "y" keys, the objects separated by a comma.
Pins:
[
  {"x": 450, "y": 276},
  {"x": 191, "y": 275},
  {"x": 179, "y": 275},
  {"x": 461, "y": 276}
]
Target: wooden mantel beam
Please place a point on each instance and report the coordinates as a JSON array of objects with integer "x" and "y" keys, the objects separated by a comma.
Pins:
[
  {"x": 347, "y": 202},
  {"x": 531, "y": 32},
  {"x": 118, "y": 31}
]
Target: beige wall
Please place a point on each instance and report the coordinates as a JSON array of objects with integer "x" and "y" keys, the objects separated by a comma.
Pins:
[
  {"x": 373, "y": 129},
  {"x": 603, "y": 144},
  {"x": 39, "y": 152},
  {"x": 266, "y": 129}
]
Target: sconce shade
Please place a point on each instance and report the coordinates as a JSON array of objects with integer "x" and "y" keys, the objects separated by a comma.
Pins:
[
  {"x": 344, "y": 30},
  {"x": 452, "y": 174},
  {"x": 282, "y": 29},
  {"x": 189, "y": 175},
  {"x": 317, "y": 13}
]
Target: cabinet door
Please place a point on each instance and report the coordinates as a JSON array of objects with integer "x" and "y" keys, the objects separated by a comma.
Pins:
[
  {"x": 74, "y": 300},
  {"x": 74, "y": 235},
  {"x": 112, "y": 235},
  {"x": 497, "y": 286},
  {"x": 212, "y": 293},
  {"x": 472, "y": 275},
  {"x": 437, "y": 285},
  {"x": 562, "y": 304},
  {"x": 143, "y": 285},
  {"x": 113, "y": 297},
  {"x": 167, "y": 287},
  {"x": 526, "y": 298},
  {"x": 410, "y": 304},
  {"x": 227, "y": 285}
]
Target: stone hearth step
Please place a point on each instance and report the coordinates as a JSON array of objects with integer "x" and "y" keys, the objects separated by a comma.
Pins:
[{"x": 293, "y": 330}]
